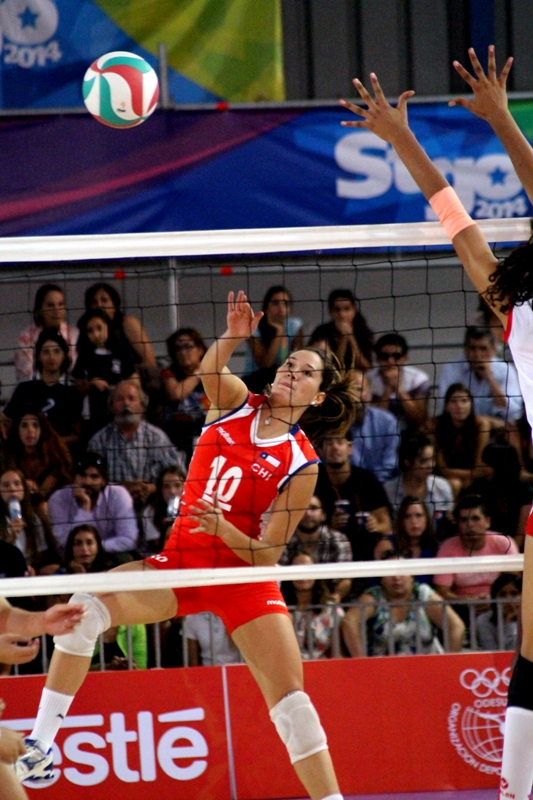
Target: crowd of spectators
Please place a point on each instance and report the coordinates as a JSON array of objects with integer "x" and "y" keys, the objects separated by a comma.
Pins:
[{"x": 96, "y": 438}]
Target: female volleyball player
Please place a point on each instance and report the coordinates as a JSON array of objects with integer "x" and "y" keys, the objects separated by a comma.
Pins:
[
  {"x": 507, "y": 287},
  {"x": 251, "y": 477}
]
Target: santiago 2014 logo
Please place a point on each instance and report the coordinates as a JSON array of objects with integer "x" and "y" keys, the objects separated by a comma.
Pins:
[
  {"x": 26, "y": 31},
  {"x": 476, "y": 729}
]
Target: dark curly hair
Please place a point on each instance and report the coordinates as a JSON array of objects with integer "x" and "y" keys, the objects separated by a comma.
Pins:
[{"x": 512, "y": 280}]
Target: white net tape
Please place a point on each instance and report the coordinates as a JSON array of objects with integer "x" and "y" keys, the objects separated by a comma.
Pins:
[
  {"x": 167, "y": 579},
  {"x": 185, "y": 243}
]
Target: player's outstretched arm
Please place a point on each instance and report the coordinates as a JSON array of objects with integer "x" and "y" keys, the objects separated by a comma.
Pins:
[
  {"x": 391, "y": 124},
  {"x": 489, "y": 102},
  {"x": 225, "y": 390}
]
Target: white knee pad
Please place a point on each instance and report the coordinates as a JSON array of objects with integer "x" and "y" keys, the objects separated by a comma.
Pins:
[
  {"x": 298, "y": 726},
  {"x": 83, "y": 638}
]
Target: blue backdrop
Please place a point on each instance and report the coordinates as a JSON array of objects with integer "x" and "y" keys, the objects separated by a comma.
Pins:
[{"x": 238, "y": 169}]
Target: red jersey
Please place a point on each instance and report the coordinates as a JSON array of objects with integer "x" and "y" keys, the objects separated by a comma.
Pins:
[{"x": 246, "y": 472}]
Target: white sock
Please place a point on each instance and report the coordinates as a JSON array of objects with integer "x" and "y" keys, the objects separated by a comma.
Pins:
[
  {"x": 517, "y": 762},
  {"x": 53, "y": 709},
  {"x": 333, "y": 797}
]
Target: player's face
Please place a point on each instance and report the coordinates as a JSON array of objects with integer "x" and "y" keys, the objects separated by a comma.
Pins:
[
  {"x": 414, "y": 521},
  {"x": 29, "y": 430},
  {"x": 172, "y": 486},
  {"x": 53, "y": 309},
  {"x": 51, "y": 357},
  {"x": 278, "y": 307},
  {"x": 459, "y": 406},
  {"x": 11, "y": 486},
  {"x": 343, "y": 311},
  {"x": 84, "y": 548},
  {"x": 102, "y": 300},
  {"x": 97, "y": 332},
  {"x": 297, "y": 381}
]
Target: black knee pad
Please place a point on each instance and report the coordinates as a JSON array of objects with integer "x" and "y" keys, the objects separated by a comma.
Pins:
[{"x": 521, "y": 686}]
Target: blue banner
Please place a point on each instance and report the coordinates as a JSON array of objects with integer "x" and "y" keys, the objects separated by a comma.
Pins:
[{"x": 240, "y": 169}]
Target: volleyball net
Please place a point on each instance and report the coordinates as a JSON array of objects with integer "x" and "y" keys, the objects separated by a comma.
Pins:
[{"x": 406, "y": 278}]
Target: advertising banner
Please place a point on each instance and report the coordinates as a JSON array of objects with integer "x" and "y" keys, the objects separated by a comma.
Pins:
[
  {"x": 241, "y": 169},
  {"x": 407, "y": 724},
  {"x": 130, "y": 732},
  {"x": 216, "y": 49}
]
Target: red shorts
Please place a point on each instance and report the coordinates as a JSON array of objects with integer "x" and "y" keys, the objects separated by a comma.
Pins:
[
  {"x": 235, "y": 604},
  {"x": 529, "y": 523}
]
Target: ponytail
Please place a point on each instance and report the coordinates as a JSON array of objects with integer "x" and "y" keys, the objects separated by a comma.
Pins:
[{"x": 334, "y": 416}]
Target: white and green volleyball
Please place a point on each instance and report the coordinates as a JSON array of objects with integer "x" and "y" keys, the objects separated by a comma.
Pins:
[{"x": 120, "y": 89}]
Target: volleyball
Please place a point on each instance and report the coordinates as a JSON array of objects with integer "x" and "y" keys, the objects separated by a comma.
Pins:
[{"x": 120, "y": 89}]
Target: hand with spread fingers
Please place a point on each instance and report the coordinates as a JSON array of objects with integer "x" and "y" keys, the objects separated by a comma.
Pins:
[
  {"x": 490, "y": 92},
  {"x": 241, "y": 319},
  {"x": 386, "y": 121}
]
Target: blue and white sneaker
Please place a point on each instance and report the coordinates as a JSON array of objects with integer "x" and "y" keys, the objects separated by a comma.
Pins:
[{"x": 35, "y": 768}]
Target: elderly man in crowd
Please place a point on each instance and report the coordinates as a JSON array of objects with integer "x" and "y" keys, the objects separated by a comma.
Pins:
[
  {"x": 322, "y": 543},
  {"x": 91, "y": 500},
  {"x": 136, "y": 451}
]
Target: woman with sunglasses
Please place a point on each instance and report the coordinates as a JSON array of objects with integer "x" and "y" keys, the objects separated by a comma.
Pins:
[{"x": 507, "y": 287}]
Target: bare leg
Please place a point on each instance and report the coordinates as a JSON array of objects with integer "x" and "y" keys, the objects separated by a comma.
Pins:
[
  {"x": 67, "y": 672},
  {"x": 269, "y": 646}
]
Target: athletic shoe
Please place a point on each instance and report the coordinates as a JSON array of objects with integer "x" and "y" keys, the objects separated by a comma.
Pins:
[{"x": 35, "y": 767}]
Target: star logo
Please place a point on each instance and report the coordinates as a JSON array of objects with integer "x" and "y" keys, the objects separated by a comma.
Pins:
[
  {"x": 28, "y": 18},
  {"x": 498, "y": 176}
]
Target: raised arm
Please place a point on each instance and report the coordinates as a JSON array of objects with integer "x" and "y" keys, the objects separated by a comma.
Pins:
[
  {"x": 489, "y": 102},
  {"x": 391, "y": 125},
  {"x": 225, "y": 390}
]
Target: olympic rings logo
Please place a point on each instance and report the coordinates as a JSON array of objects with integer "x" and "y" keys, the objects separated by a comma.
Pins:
[{"x": 483, "y": 684}]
